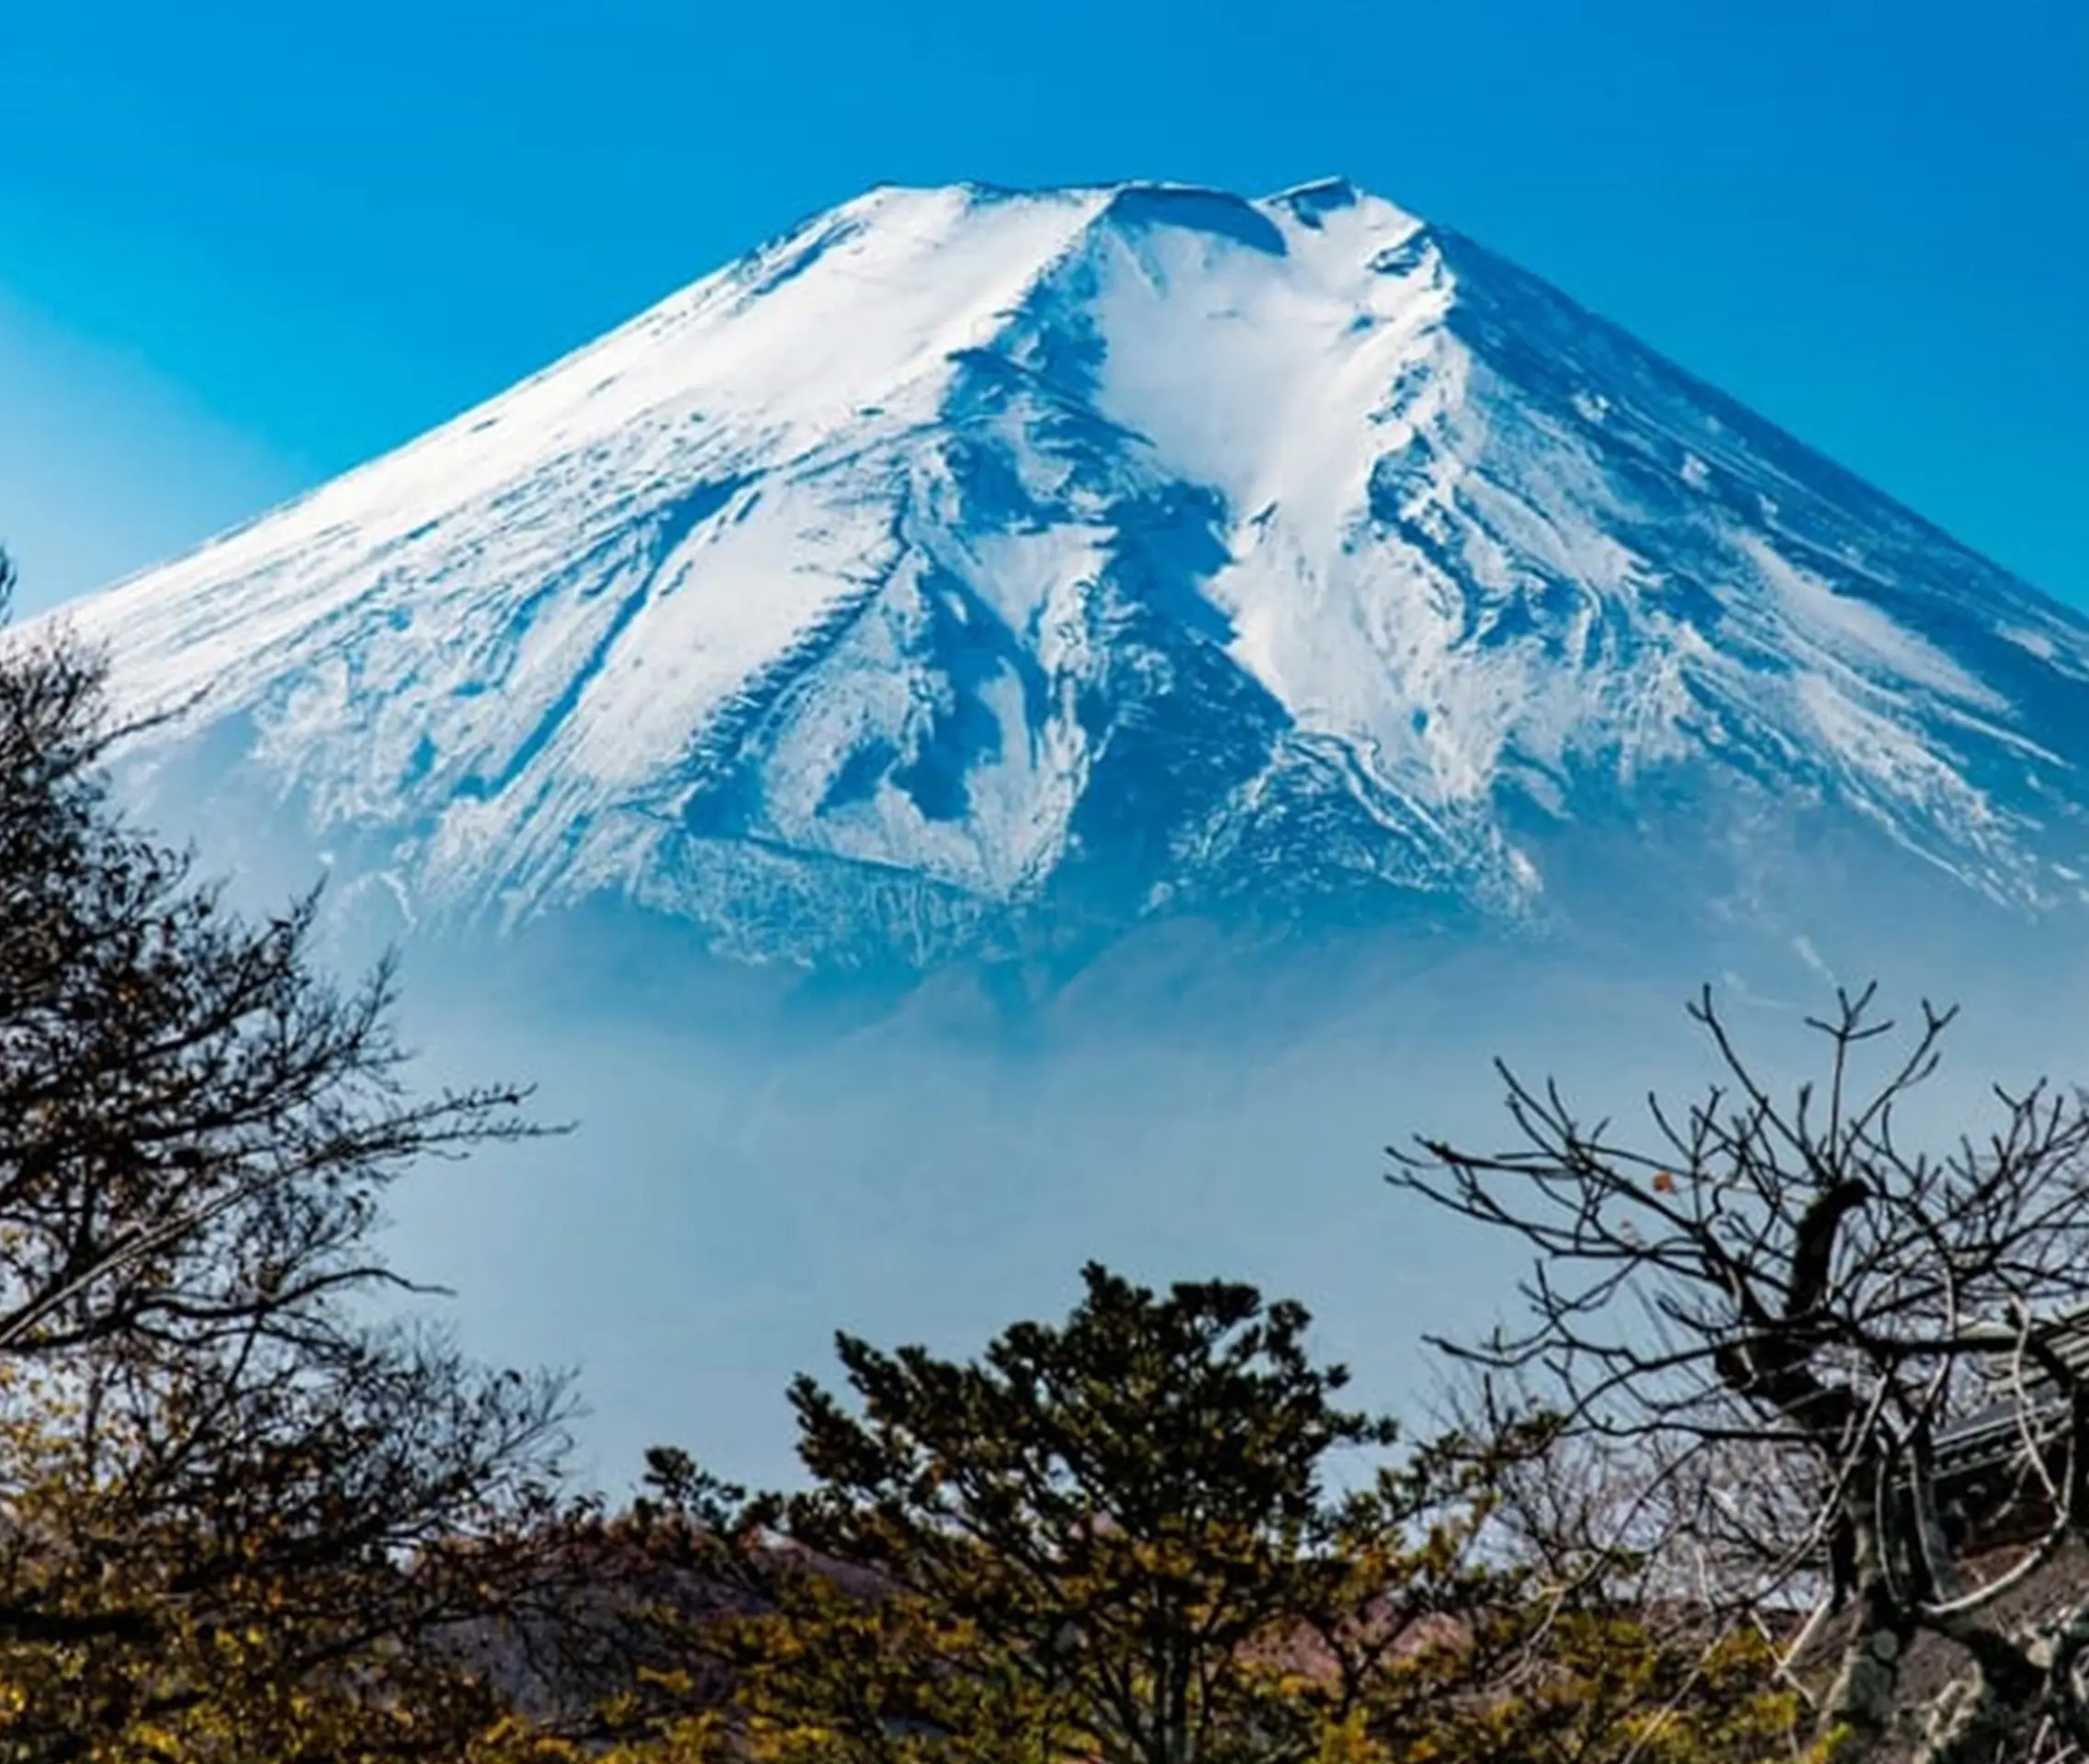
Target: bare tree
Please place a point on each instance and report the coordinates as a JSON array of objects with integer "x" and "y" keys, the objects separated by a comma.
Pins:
[
  {"x": 1845, "y": 1374},
  {"x": 228, "y": 1498}
]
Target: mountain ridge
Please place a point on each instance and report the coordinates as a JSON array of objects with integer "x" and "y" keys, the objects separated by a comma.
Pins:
[{"x": 966, "y": 567}]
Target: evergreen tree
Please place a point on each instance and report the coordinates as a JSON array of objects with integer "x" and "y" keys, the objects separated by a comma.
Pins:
[{"x": 1121, "y": 1540}]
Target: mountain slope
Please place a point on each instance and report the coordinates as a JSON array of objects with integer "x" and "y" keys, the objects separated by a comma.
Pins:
[{"x": 970, "y": 569}]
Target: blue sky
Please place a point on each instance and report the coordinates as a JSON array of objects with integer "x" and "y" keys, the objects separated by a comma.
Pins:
[{"x": 244, "y": 246}]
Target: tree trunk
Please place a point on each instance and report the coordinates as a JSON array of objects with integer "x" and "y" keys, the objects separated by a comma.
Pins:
[{"x": 1864, "y": 1705}]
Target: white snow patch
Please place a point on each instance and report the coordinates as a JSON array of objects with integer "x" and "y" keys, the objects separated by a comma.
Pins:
[{"x": 1860, "y": 634}]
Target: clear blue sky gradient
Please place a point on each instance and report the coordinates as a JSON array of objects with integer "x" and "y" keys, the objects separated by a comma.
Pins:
[{"x": 244, "y": 246}]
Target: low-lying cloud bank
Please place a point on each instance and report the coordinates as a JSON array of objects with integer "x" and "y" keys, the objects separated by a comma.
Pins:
[{"x": 758, "y": 1161}]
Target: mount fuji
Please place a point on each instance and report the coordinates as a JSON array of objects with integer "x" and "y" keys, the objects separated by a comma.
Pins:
[
  {"x": 974, "y": 574},
  {"x": 1008, "y": 728}
]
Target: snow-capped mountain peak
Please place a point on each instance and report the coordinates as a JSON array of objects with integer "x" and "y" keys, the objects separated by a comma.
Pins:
[{"x": 969, "y": 559}]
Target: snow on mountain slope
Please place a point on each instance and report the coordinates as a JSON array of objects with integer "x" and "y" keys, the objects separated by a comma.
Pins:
[{"x": 970, "y": 561}]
